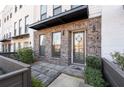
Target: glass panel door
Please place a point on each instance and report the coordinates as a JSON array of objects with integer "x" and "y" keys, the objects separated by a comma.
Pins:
[{"x": 78, "y": 47}]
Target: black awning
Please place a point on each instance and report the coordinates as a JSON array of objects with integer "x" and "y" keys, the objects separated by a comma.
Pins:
[
  {"x": 21, "y": 36},
  {"x": 5, "y": 40},
  {"x": 78, "y": 13}
]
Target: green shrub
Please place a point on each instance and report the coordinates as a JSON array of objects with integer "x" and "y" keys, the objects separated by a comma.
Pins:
[
  {"x": 25, "y": 55},
  {"x": 37, "y": 83},
  {"x": 93, "y": 61},
  {"x": 93, "y": 77}
]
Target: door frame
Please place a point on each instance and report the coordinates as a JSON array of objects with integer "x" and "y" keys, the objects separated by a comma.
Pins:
[{"x": 72, "y": 45}]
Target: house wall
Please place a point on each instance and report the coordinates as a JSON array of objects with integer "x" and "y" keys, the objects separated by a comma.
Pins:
[
  {"x": 93, "y": 41},
  {"x": 112, "y": 30},
  {"x": 94, "y": 10},
  {"x": 8, "y": 26},
  {"x": 21, "y": 14}
]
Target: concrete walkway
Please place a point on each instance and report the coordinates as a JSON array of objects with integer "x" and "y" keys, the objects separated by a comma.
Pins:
[
  {"x": 65, "y": 80},
  {"x": 47, "y": 72}
]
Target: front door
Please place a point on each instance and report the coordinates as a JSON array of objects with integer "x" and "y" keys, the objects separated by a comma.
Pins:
[{"x": 78, "y": 47}]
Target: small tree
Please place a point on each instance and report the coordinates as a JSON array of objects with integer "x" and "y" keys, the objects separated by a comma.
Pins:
[{"x": 25, "y": 55}]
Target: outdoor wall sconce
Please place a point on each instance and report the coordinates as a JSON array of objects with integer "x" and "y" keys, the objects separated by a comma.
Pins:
[{"x": 94, "y": 28}]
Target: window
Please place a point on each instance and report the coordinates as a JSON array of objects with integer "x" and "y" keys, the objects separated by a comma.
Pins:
[
  {"x": 25, "y": 44},
  {"x": 26, "y": 23},
  {"x": 20, "y": 26},
  {"x": 14, "y": 47},
  {"x": 9, "y": 47},
  {"x": 42, "y": 45},
  {"x": 19, "y": 45},
  {"x": 43, "y": 12},
  {"x": 10, "y": 15},
  {"x": 9, "y": 34},
  {"x": 20, "y": 6},
  {"x": 74, "y": 6},
  {"x": 15, "y": 8},
  {"x": 3, "y": 48},
  {"x": 15, "y": 25},
  {"x": 56, "y": 44},
  {"x": 57, "y": 9}
]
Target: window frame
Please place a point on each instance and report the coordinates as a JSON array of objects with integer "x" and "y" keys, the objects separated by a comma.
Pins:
[
  {"x": 26, "y": 24},
  {"x": 4, "y": 20},
  {"x": 20, "y": 27},
  {"x": 7, "y": 18},
  {"x": 19, "y": 45},
  {"x": 42, "y": 14},
  {"x": 26, "y": 44},
  {"x": 20, "y": 6},
  {"x": 53, "y": 55},
  {"x": 9, "y": 34},
  {"x": 15, "y": 8},
  {"x": 55, "y": 8},
  {"x": 14, "y": 47},
  {"x": 15, "y": 29},
  {"x": 10, "y": 15}
]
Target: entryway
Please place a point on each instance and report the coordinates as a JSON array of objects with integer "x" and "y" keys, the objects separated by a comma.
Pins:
[
  {"x": 78, "y": 47},
  {"x": 47, "y": 72}
]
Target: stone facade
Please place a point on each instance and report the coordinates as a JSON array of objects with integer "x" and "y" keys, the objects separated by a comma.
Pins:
[{"x": 91, "y": 28}]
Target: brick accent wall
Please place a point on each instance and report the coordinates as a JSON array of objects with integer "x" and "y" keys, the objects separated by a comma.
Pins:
[{"x": 92, "y": 29}]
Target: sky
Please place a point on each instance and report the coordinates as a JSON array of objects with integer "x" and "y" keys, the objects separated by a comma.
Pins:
[{"x": 1, "y": 7}]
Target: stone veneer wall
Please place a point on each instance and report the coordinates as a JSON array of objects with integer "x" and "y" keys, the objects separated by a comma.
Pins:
[{"x": 92, "y": 28}]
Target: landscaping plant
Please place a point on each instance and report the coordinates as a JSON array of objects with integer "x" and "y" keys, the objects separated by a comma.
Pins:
[
  {"x": 25, "y": 55},
  {"x": 93, "y": 72},
  {"x": 94, "y": 62},
  {"x": 37, "y": 83},
  {"x": 94, "y": 77}
]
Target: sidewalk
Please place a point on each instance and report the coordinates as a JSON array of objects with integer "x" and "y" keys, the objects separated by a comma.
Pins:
[{"x": 65, "y": 80}]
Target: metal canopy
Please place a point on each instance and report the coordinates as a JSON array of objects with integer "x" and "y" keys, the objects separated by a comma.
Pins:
[{"x": 78, "y": 13}]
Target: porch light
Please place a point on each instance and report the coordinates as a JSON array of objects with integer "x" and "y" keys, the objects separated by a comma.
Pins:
[{"x": 94, "y": 28}]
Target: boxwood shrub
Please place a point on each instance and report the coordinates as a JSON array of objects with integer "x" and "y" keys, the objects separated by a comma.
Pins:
[
  {"x": 25, "y": 55},
  {"x": 94, "y": 62},
  {"x": 93, "y": 77}
]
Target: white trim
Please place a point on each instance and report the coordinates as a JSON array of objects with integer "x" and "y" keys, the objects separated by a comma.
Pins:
[
  {"x": 71, "y": 47},
  {"x": 72, "y": 42}
]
